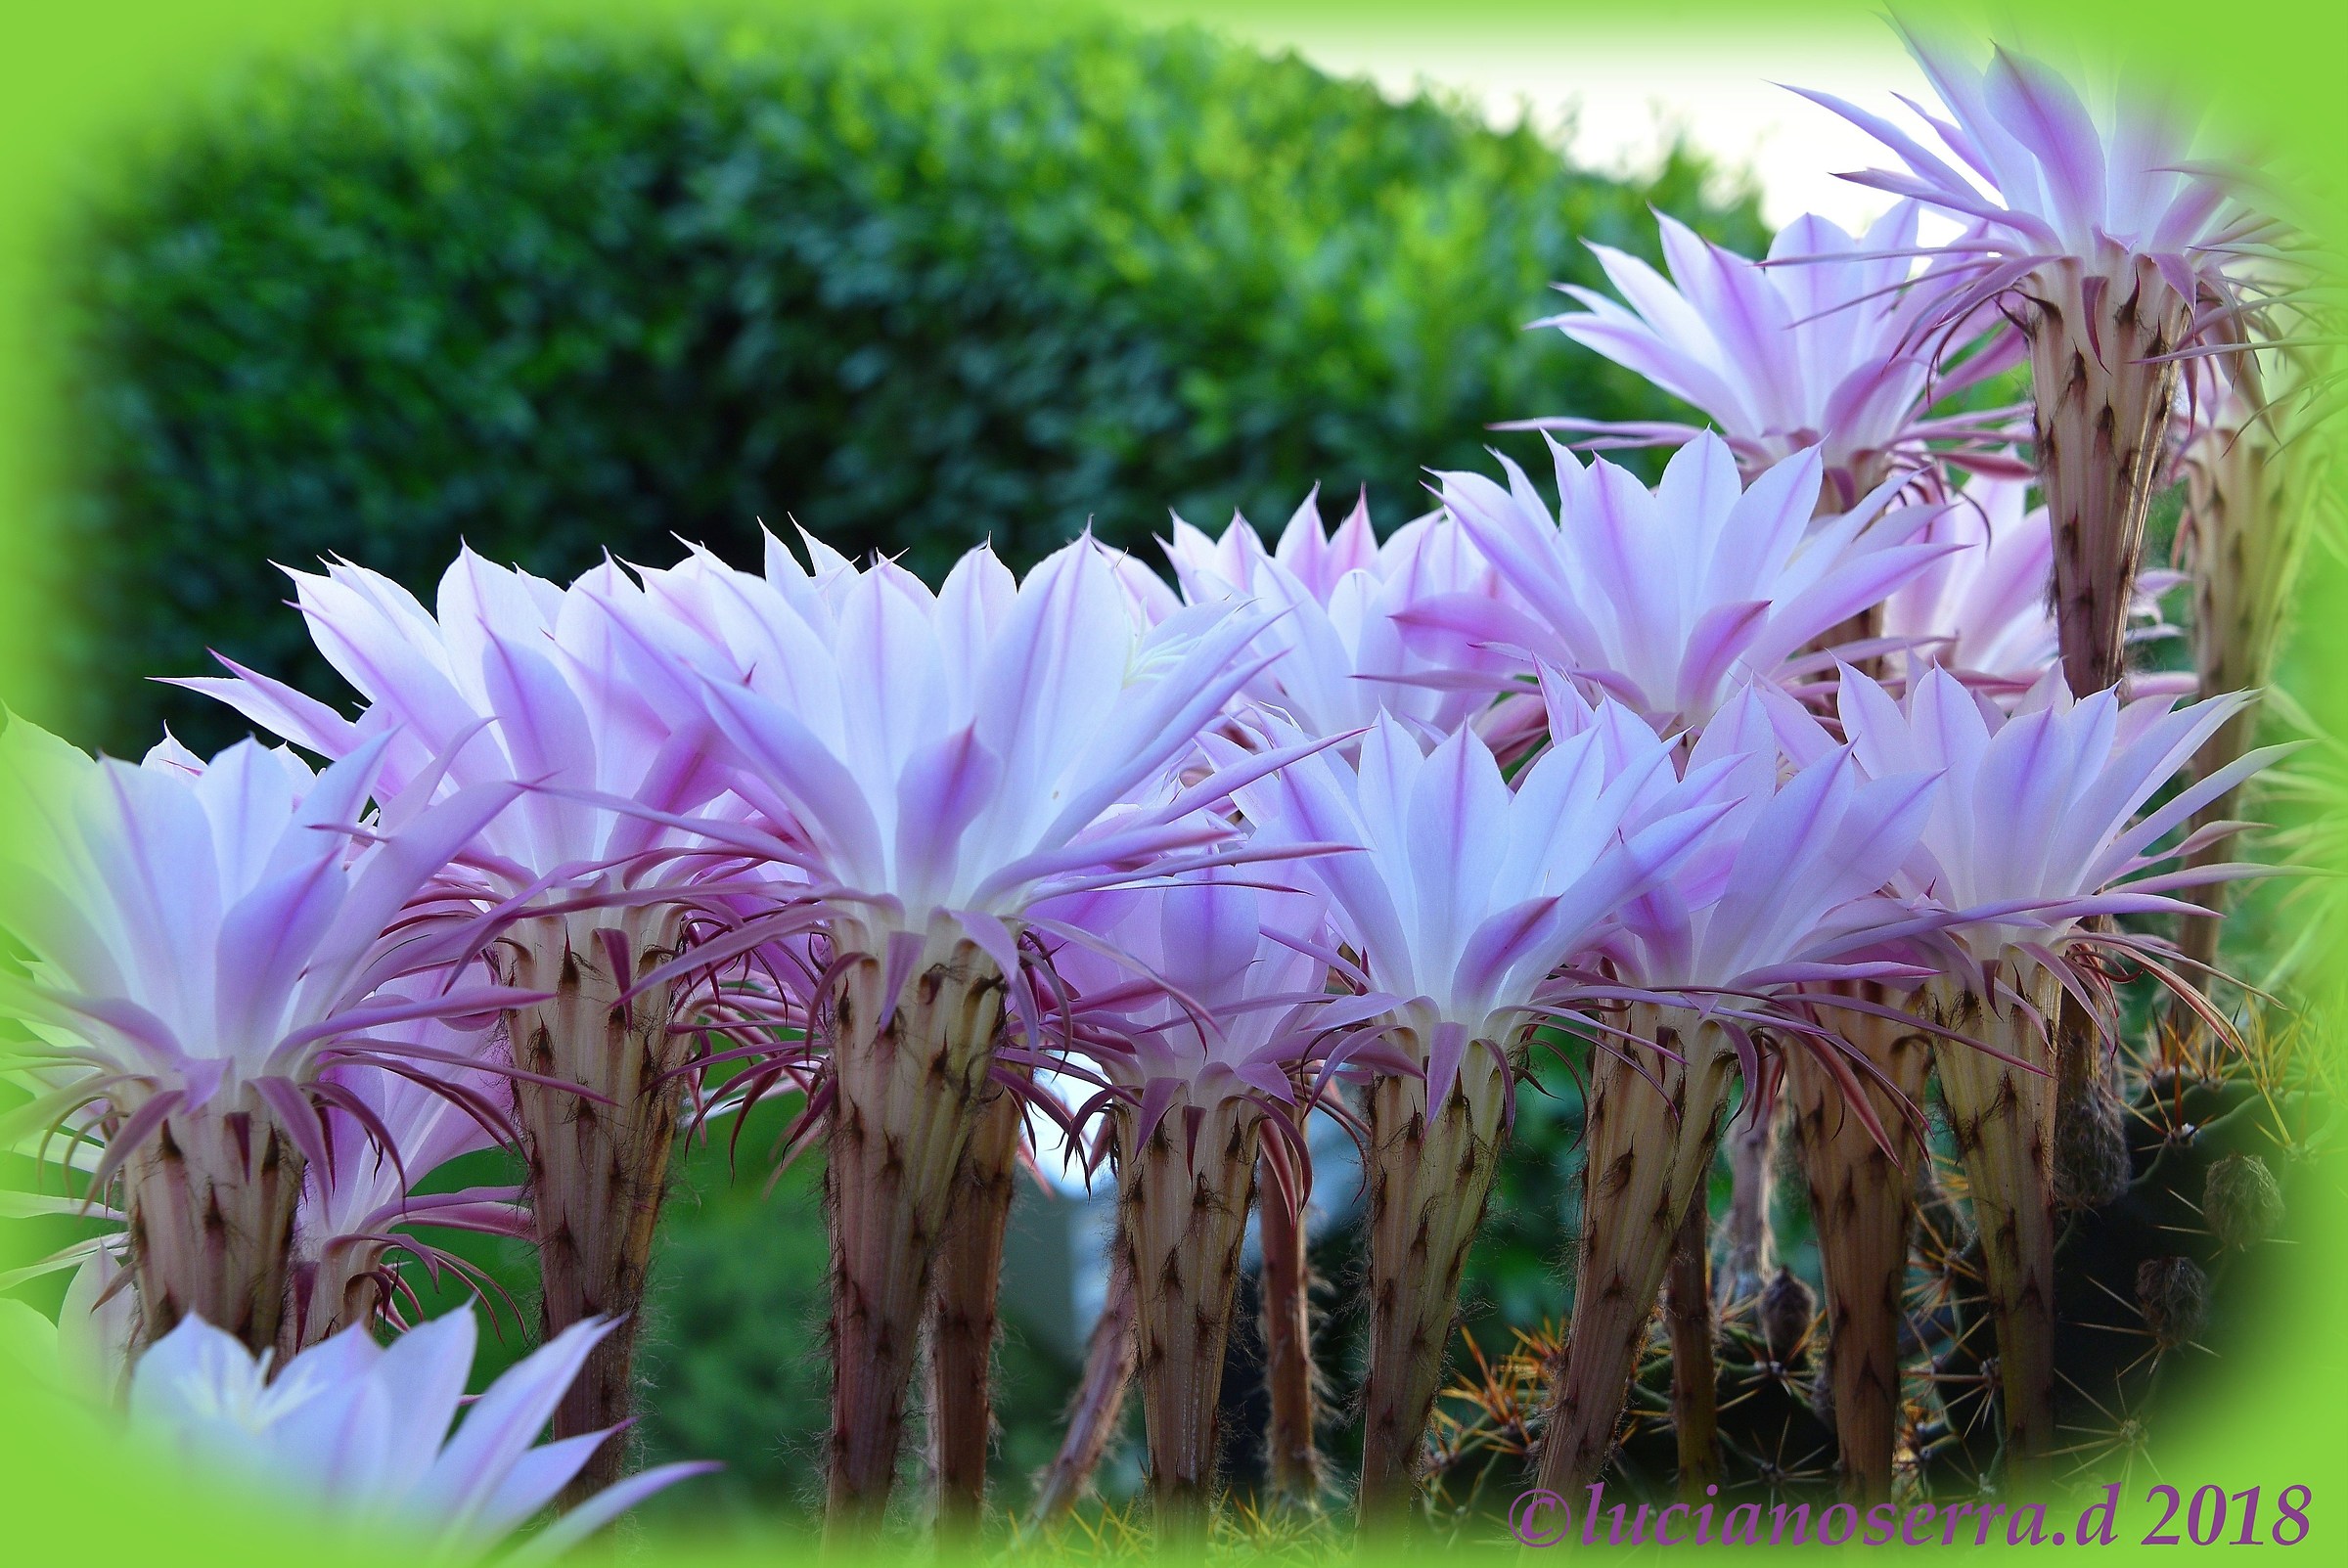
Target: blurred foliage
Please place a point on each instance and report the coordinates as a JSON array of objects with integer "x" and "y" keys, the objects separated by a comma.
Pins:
[{"x": 915, "y": 284}]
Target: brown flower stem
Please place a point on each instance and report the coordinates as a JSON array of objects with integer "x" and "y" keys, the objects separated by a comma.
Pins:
[
  {"x": 1183, "y": 1196},
  {"x": 1694, "y": 1373},
  {"x": 908, "y": 1091},
  {"x": 1862, "y": 1208},
  {"x": 1092, "y": 1417},
  {"x": 962, "y": 1311},
  {"x": 2004, "y": 1121},
  {"x": 1290, "y": 1452},
  {"x": 210, "y": 1197},
  {"x": 1649, "y": 1151},
  {"x": 2100, "y": 415},
  {"x": 1428, "y": 1181},
  {"x": 598, "y": 1169}
]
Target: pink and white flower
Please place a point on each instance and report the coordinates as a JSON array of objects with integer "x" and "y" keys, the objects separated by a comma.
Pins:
[
  {"x": 1668, "y": 599},
  {"x": 1826, "y": 346}
]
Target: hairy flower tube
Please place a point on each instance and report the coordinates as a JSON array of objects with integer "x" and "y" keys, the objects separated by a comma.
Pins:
[
  {"x": 1826, "y": 346},
  {"x": 944, "y": 761},
  {"x": 1667, "y": 599},
  {"x": 205, "y": 942},
  {"x": 2123, "y": 250},
  {"x": 1460, "y": 897},
  {"x": 2245, "y": 524},
  {"x": 359, "y": 1434},
  {"x": 1200, "y": 1003},
  {"x": 2035, "y": 827}
]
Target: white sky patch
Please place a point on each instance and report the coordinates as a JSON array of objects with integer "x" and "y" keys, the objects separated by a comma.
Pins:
[{"x": 1617, "y": 103}]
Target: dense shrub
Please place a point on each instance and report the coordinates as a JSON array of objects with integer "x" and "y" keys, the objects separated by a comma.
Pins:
[{"x": 910, "y": 285}]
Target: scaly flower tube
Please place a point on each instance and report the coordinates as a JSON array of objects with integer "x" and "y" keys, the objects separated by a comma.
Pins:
[
  {"x": 944, "y": 761},
  {"x": 206, "y": 940},
  {"x": 1981, "y": 612},
  {"x": 519, "y": 682},
  {"x": 1460, "y": 898},
  {"x": 2246, "y": 525},
  {"x": 359, "y": 1434},
  {"x": 2034, "y": 829},
  {"x": 1788, "y": 893},
  {"x": 1199, "y": 1002},
  {"x": 1827, "y": 345},
  {"x": 2123, "y": 252},
  {"x": 1663, "y": 598}
]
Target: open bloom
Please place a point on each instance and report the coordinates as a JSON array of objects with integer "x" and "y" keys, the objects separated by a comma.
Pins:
[
  {"x": 959, "y": 753},
  {"x": 1199, "y": 1003},
  {"x": 510, "y": 680},
  {"x": 1206, "y": 985},
  {"x": 1461, "y": 897},
  {"x": 2121, "y": 251},
  {"x": 929, "y": 766},
  {"x": 1461, "y": 894},
  {"x": 1332, "y": 600},
  {"x": 1827, "y": 348},
  {"x": 2044, "y": 178},
  {"x": 203, "y": 941},
  {"x": 360, "y": 1433},
  {"x": 1669, "y": 599},
  {"x": 1787, "y": 893},
  {"x": 2036, "y": 823},
  {"x": 201, "y": 927},
  {"x": 2035, "y": 827},
  {"x": 513, "y": 681}
]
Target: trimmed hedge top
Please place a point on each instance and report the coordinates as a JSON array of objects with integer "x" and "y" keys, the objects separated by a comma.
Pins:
[{"x": 912, "y": 285}]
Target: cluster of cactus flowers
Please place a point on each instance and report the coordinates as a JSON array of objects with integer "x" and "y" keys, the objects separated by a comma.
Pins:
[{"x": 1811, "y": 776}]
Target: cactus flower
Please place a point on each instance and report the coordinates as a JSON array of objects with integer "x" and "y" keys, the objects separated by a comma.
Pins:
[
  {"x": 1826, "y": 344},
  {"x": 2035, "y": 829},
  {"x": 2122, "y": 250},
  {"x": 1668, "y": 599},
  {"x": 516, "y": 681},
  {"x": 944, "y": 761},
  {"x": 1788, "y": 893},
  {"x": 205, "y": 941},
  {"x": 1461, "y": 897}
]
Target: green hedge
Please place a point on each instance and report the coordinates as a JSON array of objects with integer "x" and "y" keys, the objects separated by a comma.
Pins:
[{"x": 914, "y": 285}]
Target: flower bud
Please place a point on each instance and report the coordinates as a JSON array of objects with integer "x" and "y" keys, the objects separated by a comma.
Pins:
[
  {"x": 2242, "y": 1202},
  {"x": 1788, "y": 1307},
  {"x": 2173, "y": 1294}
]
